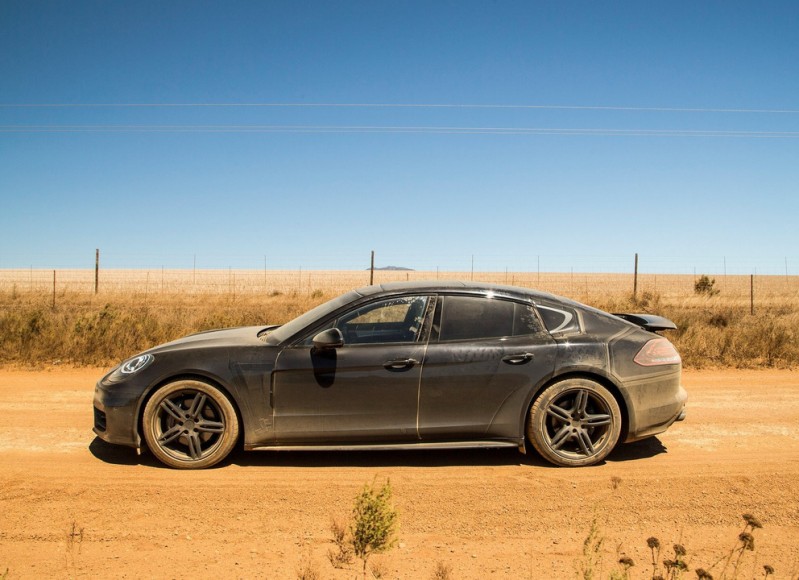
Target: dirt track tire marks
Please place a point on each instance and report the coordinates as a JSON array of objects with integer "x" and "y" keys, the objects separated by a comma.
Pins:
[{"x": 485, "y": 513}]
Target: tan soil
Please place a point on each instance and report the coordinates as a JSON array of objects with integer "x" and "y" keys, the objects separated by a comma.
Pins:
[{"x": 482, "y": 513}]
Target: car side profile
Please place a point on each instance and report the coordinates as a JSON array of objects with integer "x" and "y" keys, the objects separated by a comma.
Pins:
[{"x": 403, "y": 365}]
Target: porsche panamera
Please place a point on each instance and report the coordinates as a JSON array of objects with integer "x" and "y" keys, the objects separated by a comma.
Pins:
[{"x": 403, "y": 365}]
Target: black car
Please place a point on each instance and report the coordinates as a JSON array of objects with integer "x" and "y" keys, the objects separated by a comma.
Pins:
[{"x": 403, "y": 365}]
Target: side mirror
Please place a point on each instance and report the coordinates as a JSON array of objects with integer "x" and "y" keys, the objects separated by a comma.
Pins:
[{"x": 328, "y": 339}]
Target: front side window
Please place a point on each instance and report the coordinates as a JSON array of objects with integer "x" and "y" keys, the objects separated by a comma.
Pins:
[
  {"x": 474, "y": 318},
  {"x": 385, "y": 321}
]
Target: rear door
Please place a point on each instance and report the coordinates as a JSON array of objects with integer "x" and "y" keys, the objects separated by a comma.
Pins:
[{"x": 484, "y": 356}]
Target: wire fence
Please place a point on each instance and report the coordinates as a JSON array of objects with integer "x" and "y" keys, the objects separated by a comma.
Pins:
[{"x": 232, "y": 282}]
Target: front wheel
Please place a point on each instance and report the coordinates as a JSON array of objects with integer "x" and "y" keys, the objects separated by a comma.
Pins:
[
  {"x": 574, "y": 422},
  {"x": 190, "y": 424}
]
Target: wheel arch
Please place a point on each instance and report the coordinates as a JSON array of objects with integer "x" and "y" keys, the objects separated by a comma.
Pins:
[
  {"x": 188, "y": 376},
  {"x": 591, "y": 375}
]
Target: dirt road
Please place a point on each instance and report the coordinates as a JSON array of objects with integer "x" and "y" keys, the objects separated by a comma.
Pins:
[{"x": 72, "y": 506}]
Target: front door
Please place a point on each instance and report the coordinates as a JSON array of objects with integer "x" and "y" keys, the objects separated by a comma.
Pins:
[{"x": 365, "y": 391}]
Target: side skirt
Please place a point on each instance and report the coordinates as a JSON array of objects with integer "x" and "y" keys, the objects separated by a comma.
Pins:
[{"x": 388, "y": 446}]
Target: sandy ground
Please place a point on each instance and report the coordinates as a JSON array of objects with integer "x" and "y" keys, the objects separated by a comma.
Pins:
[{"x": 73, "y": 507}]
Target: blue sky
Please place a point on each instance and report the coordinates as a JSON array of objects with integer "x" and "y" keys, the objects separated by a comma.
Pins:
[{"x": 669, "y": 129}]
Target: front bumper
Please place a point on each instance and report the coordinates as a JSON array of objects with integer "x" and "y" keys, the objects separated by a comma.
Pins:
[{"x": 115, "y": 414}]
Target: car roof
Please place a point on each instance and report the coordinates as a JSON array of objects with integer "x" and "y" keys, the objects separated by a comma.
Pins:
[{"x": 457, "y": 286}]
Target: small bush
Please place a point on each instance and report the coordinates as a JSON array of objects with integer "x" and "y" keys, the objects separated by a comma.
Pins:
[
  {"x": 307, "y": 571},
  {"x": 591, "y": 565},
  {"x": 705, "y": 286},
  {"x": 342, "y": 556},
  {"x": 374, "y": 522},
  {"x": 650, "y": 301},
  {"x": 442, "y": 572}
]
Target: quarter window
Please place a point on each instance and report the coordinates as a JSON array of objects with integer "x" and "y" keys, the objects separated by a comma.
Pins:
[{"x": 559, "y": 319}]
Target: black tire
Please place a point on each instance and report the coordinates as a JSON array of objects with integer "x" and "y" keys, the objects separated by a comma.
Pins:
[
  {"x": 190, "y": 424},
  {"x": 574, "y": 423}
]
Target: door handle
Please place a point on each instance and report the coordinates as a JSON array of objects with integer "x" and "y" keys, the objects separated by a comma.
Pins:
[
  {"x": 518, "y": 359},
  {"x": 400, "y": 364}
]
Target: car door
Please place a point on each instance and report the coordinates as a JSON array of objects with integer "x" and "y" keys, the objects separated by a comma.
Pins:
[
  {"x": 365, "y": 391},
  {"x": 484, "y": 356}
]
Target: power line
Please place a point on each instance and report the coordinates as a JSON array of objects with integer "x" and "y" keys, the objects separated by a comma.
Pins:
[
  {"x": 601, "y": 132},
  {"x": 405, "y": 106}
]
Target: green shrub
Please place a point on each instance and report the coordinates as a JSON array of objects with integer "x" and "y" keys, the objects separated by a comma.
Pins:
[{"x": 374, "y": 522}]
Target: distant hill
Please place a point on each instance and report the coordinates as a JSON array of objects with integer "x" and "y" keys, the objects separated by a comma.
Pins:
[{"x": 394, "y": 268}]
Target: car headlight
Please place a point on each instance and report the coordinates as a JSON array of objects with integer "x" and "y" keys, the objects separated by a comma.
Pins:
[
  {"x": 128, "y": 368},
  {"x": 136, "y": 364}
]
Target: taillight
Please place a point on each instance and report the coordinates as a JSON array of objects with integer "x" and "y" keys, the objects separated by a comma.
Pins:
[{"x": 658, "y": 351}]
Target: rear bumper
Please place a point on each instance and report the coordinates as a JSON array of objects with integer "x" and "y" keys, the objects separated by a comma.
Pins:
[{"x": 656, "y": 405}]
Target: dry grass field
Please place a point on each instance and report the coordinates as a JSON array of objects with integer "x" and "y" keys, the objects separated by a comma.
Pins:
[
  {"x": 579, "y": 286},
  {"x": 48, "y": 316}
]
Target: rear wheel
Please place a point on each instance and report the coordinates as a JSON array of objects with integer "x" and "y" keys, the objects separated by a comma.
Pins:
[
  {"x": 190, "y": 424},
  {"x": 575, "y": 422}
]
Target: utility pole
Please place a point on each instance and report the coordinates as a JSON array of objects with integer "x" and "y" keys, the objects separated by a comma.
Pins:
[
  {"x": 96, "y": 270},
  {"x": 635, "y": 278},
  {"x": 372, "y": 270}
]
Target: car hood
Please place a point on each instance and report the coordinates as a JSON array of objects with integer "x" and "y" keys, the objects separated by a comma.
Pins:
[{"x": 228, "y": 337}]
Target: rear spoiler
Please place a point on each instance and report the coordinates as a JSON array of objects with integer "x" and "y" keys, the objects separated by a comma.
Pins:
[{"x": 648, "y": 321}]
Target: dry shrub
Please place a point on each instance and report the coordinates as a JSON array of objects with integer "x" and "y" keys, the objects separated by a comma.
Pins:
[
  {"x": 728, "y": 337},
  {"x": 88, "y": 329}
]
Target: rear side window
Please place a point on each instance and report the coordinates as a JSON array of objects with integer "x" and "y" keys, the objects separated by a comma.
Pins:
[
  {"x": 559, "y": 319},
  {"x": 472, "y": 318}
]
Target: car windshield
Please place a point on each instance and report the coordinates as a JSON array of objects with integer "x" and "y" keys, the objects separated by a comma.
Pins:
[{"x": 294, "y": 326}]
